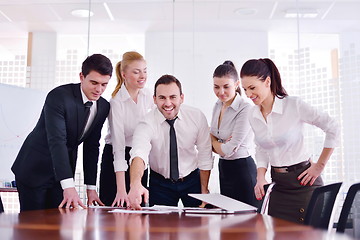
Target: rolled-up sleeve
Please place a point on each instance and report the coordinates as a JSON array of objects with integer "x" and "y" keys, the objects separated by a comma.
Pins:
[
  {"x": 322, "y": 120},
  {"x": 203, "y": 145},
  {"x": 240, "y": 132},
  {"x": 261, "y": 157},
  {"x": 142, "y": 142},
  {"x": 117, "y": 135}
]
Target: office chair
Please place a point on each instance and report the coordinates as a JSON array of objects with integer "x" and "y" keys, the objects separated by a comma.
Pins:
[
  {"x": 321, "y": 205},
  {"x": 265, "y": 200},
  {"x": 350, "y": 212},
  {"x": 1, "y": 206}
]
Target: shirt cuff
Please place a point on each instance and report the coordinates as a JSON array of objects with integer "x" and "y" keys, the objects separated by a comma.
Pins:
[
  {"x": 91, "y": 187},
  {"x": 207, "y": 164},
  {"x": 120, "y": 165},
  {"x": 67, "y": 183}
]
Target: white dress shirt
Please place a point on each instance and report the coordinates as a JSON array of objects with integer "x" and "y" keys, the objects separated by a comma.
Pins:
[
  {"x": 234, "y": 124},
  {"x": 123, "y": 117},
  {"x": 151, "y": 142},
  {"x": 280, "y": 140}
]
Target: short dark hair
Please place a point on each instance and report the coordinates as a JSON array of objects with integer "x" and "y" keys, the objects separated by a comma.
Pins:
[
  {"x": 98, "y": 63},
  {"x": 167, "y": 79}
]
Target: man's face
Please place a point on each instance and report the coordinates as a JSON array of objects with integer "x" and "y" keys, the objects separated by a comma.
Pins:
[
  {"x": 94, "y": 84},
  {"x": 168, "y": 99}
]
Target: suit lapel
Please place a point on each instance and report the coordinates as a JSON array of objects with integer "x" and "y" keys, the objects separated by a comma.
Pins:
[{"x": 80, "y": 109}]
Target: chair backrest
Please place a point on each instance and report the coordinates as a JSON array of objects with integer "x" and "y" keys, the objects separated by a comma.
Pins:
[
  {"x": 1, "y": 206},
  {"x": 321, "y": 204},
  {"x": 265, "y": 200},
  {"x": 350, "y": 212}
]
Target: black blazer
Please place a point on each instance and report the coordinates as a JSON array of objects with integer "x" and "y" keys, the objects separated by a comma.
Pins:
[{"x": 49, "y": 152}]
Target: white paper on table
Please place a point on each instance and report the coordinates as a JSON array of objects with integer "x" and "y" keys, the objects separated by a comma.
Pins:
[
  {"x": 156, "y": 209},
  {"x": 105, "y": 207},
  {"x": 141, "y": 211}
]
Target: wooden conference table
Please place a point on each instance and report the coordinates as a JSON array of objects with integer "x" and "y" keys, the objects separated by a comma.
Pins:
[{"x": 98, "y": 223}]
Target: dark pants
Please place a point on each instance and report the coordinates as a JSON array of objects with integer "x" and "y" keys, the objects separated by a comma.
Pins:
[
  {"x": 108, "y": 176},
  {"x": 288, "y": 199},
  {"x": 238, "y": 179},
  {"x": 43, "y": 197},
  {"x": 167, "y": 192}
]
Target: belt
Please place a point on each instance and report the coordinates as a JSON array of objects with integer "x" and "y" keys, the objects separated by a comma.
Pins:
[
  {"x": 161, "y": 177},
  {"x": 291, "y": 168}
]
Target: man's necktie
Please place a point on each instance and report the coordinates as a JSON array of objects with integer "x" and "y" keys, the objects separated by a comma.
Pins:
[
  {"x": 174, "y": 170},
  {"x": 87, "y": 106}
]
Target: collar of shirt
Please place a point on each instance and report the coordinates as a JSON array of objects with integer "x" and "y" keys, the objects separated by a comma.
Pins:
[
  {"x": 124, "y": 95},
  {"x": 277, "y": 108},
  {"x": 93, "y": 110},
  {"x": 84, "y": 98},
  {"x": 160, "y": 117},
  {"x": 236, "y": 104}
]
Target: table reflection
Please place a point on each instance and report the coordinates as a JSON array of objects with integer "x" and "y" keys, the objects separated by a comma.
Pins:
[{"x": 99, "y": 223}]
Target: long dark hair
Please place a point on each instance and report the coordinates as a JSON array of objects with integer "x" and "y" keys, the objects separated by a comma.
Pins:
[
  {"x": 227, "y": 69},
  {"x": 263, "y": 68}
]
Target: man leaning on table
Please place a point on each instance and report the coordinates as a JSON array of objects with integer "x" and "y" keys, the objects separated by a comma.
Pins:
[
  {"x": 72, "y": 114},
  {"x": 174, "y": 141}
]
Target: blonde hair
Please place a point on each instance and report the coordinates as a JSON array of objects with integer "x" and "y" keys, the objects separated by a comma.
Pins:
[{"x": 127, "y": 59}]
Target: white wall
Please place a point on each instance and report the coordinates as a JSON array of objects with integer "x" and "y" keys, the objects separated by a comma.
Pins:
[{"x": 196, "y": 56}]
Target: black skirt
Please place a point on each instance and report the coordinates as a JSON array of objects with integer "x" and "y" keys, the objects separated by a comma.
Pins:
[
  {"x": 238, "y": 178},
  {"x": 289, "y": 199},
  {"x": 108, "y": 177}
]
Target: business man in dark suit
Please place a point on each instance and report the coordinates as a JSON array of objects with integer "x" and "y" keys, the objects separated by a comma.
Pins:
[{"x": 45, "y": 166}]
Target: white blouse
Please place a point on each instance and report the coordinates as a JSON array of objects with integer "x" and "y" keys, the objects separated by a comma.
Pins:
[
  {"x": 279, "y": 140},
  {"x": 123, "y": 117}
]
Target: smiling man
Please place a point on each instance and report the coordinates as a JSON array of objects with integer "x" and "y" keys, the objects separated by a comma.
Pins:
[
  {"x": 174, "y": 140},
  {"x": 72, "y": 114}
]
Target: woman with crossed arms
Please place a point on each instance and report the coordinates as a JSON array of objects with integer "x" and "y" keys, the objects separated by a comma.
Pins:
[{"x": 232, "y": 136}]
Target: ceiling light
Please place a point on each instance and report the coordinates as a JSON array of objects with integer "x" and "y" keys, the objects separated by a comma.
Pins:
[
  {"x": 301, "y": 12},
  {"x": 245, "y": 11},
  {"x": 108, "y": 11},
  {"x": 82, "y": 13}
]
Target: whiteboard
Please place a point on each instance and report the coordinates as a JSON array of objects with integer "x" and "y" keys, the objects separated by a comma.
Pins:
[{"x": 20, "y": 110}]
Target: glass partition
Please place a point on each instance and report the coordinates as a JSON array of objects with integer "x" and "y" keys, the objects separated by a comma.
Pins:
[{"x": 314, "y": 44}]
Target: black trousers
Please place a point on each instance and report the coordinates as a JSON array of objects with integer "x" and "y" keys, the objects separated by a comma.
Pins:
[
  {"x": 42, "y": 197},
  {"x": 238, "y": 179},
  {"x": 108, "y": 177},
  {"x": 167, "y": 192}
]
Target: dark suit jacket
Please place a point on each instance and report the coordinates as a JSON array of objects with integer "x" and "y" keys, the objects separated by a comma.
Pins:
[{"x": 49, "y": 152}]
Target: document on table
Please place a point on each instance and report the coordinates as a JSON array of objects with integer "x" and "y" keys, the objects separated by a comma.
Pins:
[
  {"x": 225, "y": 204},
  {"x": 157, "y": 209},
  {"x": 105, "y": 207}
]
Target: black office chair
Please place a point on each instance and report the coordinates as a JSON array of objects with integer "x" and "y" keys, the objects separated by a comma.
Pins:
[
  {"x": 265, "y": 200},
  {"x": 350, "y": 212},
  {"x": 1, "y": 206},
  {"x": 321, "y": 205}
]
